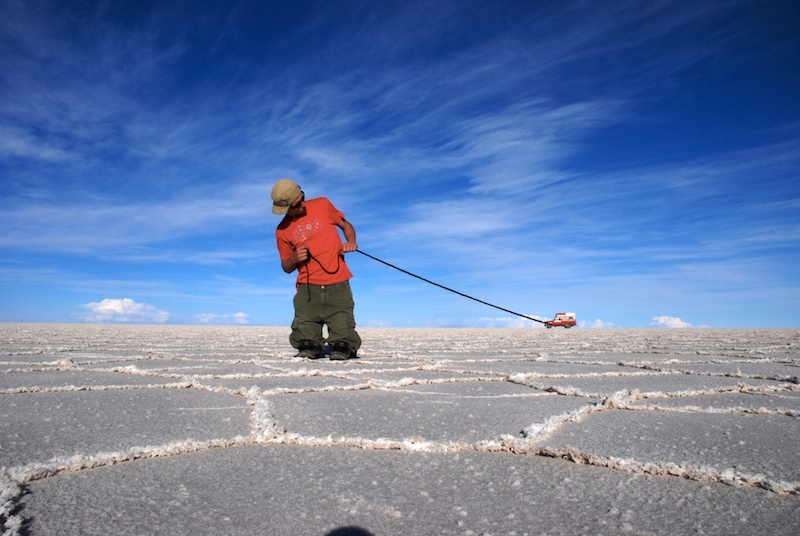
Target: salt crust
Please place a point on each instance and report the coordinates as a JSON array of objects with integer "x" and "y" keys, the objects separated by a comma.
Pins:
[{"x": 466, "y": 355}]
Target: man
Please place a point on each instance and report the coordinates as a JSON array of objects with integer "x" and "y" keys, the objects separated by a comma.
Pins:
[{"x": 309, "y": 242}]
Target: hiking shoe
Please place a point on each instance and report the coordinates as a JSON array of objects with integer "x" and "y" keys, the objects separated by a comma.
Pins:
[
  {"x": 340, "y": 351},
  {"x": 309, "y": 350}
]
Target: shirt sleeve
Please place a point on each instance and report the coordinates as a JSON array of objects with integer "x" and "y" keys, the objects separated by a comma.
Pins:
[
  {"x": 334, "y": 213},
  {"x": 285, "y": 249}
]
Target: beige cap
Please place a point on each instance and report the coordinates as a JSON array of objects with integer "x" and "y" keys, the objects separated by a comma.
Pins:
[{"x": 284, "y": 193}]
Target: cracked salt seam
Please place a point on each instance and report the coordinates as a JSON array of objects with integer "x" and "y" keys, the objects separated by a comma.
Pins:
[{"x": 364, "y": 374}]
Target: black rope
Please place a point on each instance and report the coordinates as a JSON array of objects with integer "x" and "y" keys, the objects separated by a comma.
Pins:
[
  {"x": 451, "y": 290},
  {"x": 308, "y": 273},
  {"x": 338, "y": 263}
]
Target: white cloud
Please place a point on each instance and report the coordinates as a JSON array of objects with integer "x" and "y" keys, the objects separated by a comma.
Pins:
[
  {"x": 123, "y": 311},
  {"x": 235, "y": 318},
  {"x": 670, "y": 322},
  {"x": 600, "y": 324}
]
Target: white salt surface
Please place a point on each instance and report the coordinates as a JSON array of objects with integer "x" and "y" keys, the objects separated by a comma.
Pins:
[{"x": 202, "y": 430}]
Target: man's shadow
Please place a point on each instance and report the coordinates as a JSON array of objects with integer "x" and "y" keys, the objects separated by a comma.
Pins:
[{"x": 349, "y": 531}]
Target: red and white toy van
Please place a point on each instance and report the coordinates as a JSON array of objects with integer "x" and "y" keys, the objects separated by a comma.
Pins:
[{"x": 562, "y": 319}]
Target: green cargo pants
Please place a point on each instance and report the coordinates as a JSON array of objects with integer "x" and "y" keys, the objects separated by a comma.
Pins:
[{"x": 318, "y": 305}]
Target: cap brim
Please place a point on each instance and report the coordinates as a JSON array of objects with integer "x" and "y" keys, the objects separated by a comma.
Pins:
[{"x": 279, "y": 211}]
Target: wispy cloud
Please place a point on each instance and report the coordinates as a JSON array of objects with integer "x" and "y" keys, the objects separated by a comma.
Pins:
[{"x": 96, "y": 225}]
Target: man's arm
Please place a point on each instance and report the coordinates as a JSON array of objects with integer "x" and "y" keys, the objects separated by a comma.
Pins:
[{"x": 349, "y": 236}]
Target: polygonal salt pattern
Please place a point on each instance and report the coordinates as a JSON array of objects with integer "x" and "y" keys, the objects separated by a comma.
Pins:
[
  {"x": 39, "y": 426},
  {"x": 778, "y": 403},
  {"x": 282, "y": 383},
  {"x": 469, "y": 413},
  {"x": 75, "y": 380},
  {"x": 537, "y": 368},
  {"x": 737, "y": 368},
  {"x": 214, "y": 430},
  {"x": 744, "y": 443},
  {"x": 676, "y": 384},
  {"x": 288, "y": 489}
]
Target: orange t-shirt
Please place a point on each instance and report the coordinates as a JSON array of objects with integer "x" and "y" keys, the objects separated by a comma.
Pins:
[{"x": 319, "y": 232}]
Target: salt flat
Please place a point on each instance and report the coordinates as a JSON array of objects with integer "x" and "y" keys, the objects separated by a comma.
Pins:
[{"x": 121, "y": 429}]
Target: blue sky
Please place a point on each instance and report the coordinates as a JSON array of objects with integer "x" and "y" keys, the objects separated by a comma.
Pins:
[{"x": 637, "y": 163}]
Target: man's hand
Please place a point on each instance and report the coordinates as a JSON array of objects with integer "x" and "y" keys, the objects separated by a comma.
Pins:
[
  {"x": 349, "y": 247},
  {"x": 300, "y": 255}
]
